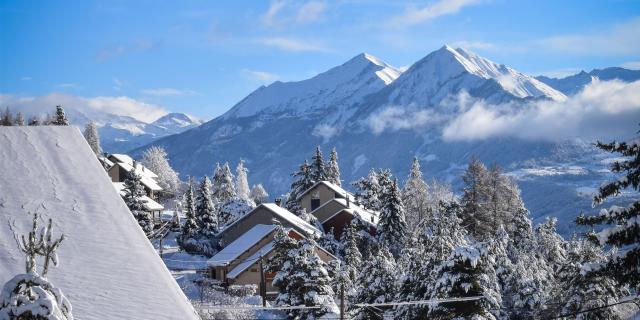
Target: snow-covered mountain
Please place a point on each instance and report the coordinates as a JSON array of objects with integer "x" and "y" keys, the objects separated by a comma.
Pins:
[
  {"x": 573, "y": 84},
  {"x": 276, "y": 127}
]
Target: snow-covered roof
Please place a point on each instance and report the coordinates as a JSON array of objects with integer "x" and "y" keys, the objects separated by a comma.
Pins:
[
  {"x": 149, "y": 204},
  {"x": 330, "y": 185},
  {"x": 249, "y": 261},
  {"x": 147, "y": 177},
  {"x": 108, "y": 268},
  {"x": 128, "y": 162},
  {"x": 292, "y": 218},
  {"x": 108, "y": 163},
  {"x": 241, "y": 245},
  {"x": 357, "y": 211}
]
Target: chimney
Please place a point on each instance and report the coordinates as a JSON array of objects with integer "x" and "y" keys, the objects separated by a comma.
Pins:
[
  {"x": 347, "y": 196},
  {"x": 278, "y": 202}
]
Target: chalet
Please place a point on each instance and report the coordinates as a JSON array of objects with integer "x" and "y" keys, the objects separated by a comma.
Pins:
[
  {"x": 108, "y": 269},
  {"x": 265, "y": 213},
  {"x": 123, "y": 164},
  {"x": 334, "y": 208},
  {"x": 149, "y": 205},
  {"x": 239, "y": 262}
]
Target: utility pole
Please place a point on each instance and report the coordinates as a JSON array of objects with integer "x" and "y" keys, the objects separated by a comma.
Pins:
[
  {"x": 160, "y": 247},
  {"x": 263, "y": 286},
  {"x": 342, "y": 301}
]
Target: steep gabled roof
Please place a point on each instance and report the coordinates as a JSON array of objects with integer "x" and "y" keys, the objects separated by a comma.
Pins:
[
  {"x": 281, "y": 213},
  {"x": 241, "y": 245},
  {"x": 331, "y": 186},
  {"x": 108, "y": 268},
  {"x": 367, "y": 216},
  {"x": 149, "y": 204}
]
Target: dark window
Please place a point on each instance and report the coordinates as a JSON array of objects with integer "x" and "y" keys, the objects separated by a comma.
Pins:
[{"x": 315, "y": 203}]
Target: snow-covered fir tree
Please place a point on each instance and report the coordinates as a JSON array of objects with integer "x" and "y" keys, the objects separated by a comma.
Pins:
[
  {"x": 31, "y": 295},
  {"x": 258, "y": 194},
  {"x": 415, "y": 195},
  {"x": 6, "y": 120},
  {"x": 155, "y": 159},
  {"x": 474, "y": 199},
  {"x": 318, "y": 168},
  {"x": 302, "y": 180},
  {"x": 60, "y": 117},
  {"x": 206, "y": 213},
  {"x": 466, "y": 273},
  {"x": 190, "y": 224},
  {"x": 223, "y": 186},
  {"x": 385, "y": 180},
  {"x": 351, "y": 254},
  {"x": 133, "y": 193},
  {"x": 333, "y": 170},
  {"x": 376, "y": 282},
  {"x": 307, "y": 283},
  {"x": 583, "y": 294},
  {"x": 283, "y": 244},
  {"x": 242, "y": 184},
  {"x": 368, "y": 191},
  {"x": 551, "y": 245},
  {"x": 33, "y": 121},
  {"x": 19, "y": 119},
  {"x": 392, "y": 227},
  {"x": 624, "y": 222},
  {"x": 92, "y": 137}
]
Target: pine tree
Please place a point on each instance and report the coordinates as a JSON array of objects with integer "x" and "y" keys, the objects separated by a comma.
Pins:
[
  {"x": 206, "y": 214},
  {"x": 7, "y": 118},
  {"x": 19, "y": 119},
  {"x": 258, "y": 194},
  {"x": 223, "y": 187},
  {"x": 466, "y": 273},
  {"x": 392, "y": 227},
  {"x": 242, "y": 184},
  {"x": 92, "y": 137},
  {"x": 368, "y": 191},
  {"x": 34, "y": 121},
  {"x": 60, "y": 118},
  {"x": 385, "y": 180},
  {"x": 376, "y": 282},
  {"x": 351, "y": 253},
  {"x": 415, "y": 195},
  {"x": 155, "y": 159},
  {"x": 133, "y": 193},
  {"x": 302, "y": 180},
  {"x": 318, "y": 170},
  {"x": 333, "y": 170},
  {"x": 624, "y": 234},
  {"x": 190, "y": 225}
]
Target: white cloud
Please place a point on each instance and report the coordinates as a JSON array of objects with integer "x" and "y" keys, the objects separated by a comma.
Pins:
[
  {"x": 164, "y": 92},
  {"x": 324, "y": 131},
  {"x": 95, "y": 108},
  {"x": 602, "y": 110},
  {"x": 139, "y": 45},
  {"x": 397, "y": 118},
  {"x": 310, "y": 11},
  {"x": 117, "y": 84},
  {"x": 25, "y": 78},
  {"x": 68, "y": 86},
  {"x": 292, "y": 44},
  {"x": 260, "y": 76},
  {"x": 621, "y": 39},
  {"x": 414, "y": 15},
  {"x": 269, "y": 18},
  {"x": 634, "y": 65}
]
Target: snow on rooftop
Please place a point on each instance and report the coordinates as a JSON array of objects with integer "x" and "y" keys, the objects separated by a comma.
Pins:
[
  {"x": 127, "y": 163},
  {"x": 241, "y": 245},
  {"x": 330, "y": 185},
  {"x": 292, "y": 218},
  {"x": 249, "y": 261},
  {"x": 108, "y": 269},
  {"x": 149, "y": 204}
]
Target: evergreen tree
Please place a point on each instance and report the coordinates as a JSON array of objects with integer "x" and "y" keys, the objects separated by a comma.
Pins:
[
  {"x": 415, "y": 196},
  {"x": 625, "y": 232},
  {"x": 392, "y": 227},
  {"x": 206, "y": 214},
  {"x": 92, "y": 137},
  {"x": 376, "y": 282},
  {"x": 283, "y": 244},
  {"x": 368, "y": 191},
  {"x": 155, "y": 159},
  {"x": 34, "y": 121},
  {"x": 333, "y": 170},
  {"x": 19, "y": 119},
  {"x": 242, "y": 184},
  {"x": 385, "y": 180},
  {"x": 318, "y": 170},
  {"x": 7, "y": 118},
  {"x": 133, "y": 193},
  {"x": 351, "y": 254},
  {"x": 60, "y": 118},
  {"x": 550, "y": 245},
  {"x": 258, "y": 194},
  {"x": 190, "y": 225},
  {"x": 223, "y": 187},
  {"x": 302, "y": 180},
  {"x": 466, "y": 273}
]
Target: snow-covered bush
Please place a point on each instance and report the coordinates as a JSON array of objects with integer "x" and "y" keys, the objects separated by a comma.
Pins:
[
  {"x": 31, "y": 296},
  {"x": 233, "y": 209}
]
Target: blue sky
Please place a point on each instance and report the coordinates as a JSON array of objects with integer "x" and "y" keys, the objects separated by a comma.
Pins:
[{"x": 201, "y": 57}]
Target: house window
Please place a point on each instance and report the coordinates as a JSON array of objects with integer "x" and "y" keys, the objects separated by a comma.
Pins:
[
  {"x": 254, "y": 270},
  {"x": 315, "y": 200}
]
